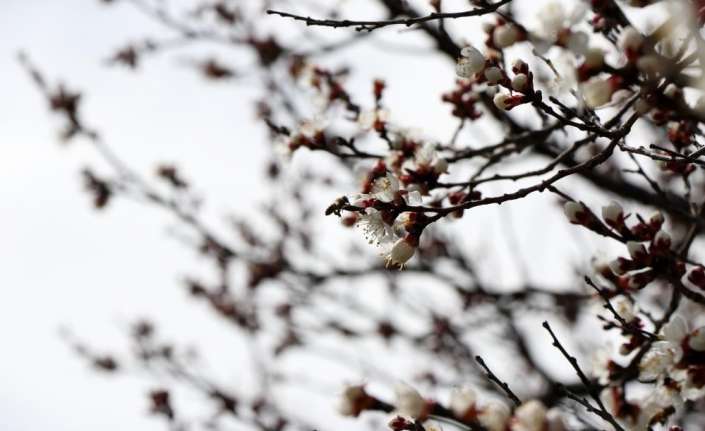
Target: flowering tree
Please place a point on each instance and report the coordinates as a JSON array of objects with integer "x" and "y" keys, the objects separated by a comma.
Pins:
[{"x": 573, "y": 102}]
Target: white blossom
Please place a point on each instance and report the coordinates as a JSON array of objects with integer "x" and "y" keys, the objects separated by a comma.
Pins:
[
  {"x": 494, "y": 416},
  {"x": 399, "y": 253},
  {"x": 613, "y": 212},
  {"x": 385, "y": 188},
  {"x": 573, "y": 210},
  {"x": 520, "y": 82},
  {"x": 493, "y": 75},
  {"x": 461, "y": 400},
  {"x": 597, "y": 92},
  {"x": 348, "y": 404},
  {"x": 505, "y": 35},
  {"x": 375, "y": 230},
  {"x": 500, "y": 100},
  {"x": 697, "y": 339},
  {"x": 470, "y": 63},
  {"x": 409, "y": 401},
  {"x": 636, "y": 249},
  {"x": 630, "y": 39},
  {"x": 530, "y": 416}
]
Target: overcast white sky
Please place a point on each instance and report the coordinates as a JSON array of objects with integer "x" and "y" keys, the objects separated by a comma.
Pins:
[{"x": 58, "y": 257}]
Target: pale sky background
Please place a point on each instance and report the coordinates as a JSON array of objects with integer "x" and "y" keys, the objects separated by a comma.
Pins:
[{"x": 63, "y": 264}]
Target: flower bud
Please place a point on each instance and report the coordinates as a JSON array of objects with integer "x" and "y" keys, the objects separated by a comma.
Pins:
[
  {"x": 352, "y": 400},
  {"x": 409, "y": 401},
  {"x": 505, "y": 35},
  {"x": 575, "y": 211},
  {"x": 400, "y": 252},
  {"x": 531, "y": 416},
  {"x": 493, "y": 75},
  {"x": 630, "y": 39},
  {"x": 462, "y": 400},
  {"x": 500, "y": 100},
  {"x": 662, "y": 241},
  {"x": 697, "y": 339},
  {"x": 613, "y": 214},
  {"x": 636, "y": 250},
  {"x": 697, "y": 276},
  {"x": 520, "y": 82},
  {"x": 597, "y": 92},
  {"x": 494, "y": 416}
]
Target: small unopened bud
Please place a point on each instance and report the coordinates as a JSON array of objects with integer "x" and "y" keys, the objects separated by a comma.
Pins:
[
  {"x": 656, "y": 219},
  {"x": 697, "y": 276},
  {"x": 636, "y": 250},
  {"x": 621, "y": 266},
  {"x": 697, "y": 339},
  {"x": 613, "y": 214},
  {"x": 662, "y": 240},
  {"x": 505, "y": 35},
  {"x": 575, "y": 211},
  {"x": 353, "y": 400},
  {"x": 440, "y": 166},
  {"x": 520, "y": 66},
  {"x": 493, "y": 75},
  {"x": 520, "y": 82}
]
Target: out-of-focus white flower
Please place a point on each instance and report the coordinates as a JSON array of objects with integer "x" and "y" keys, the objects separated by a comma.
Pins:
[
  {"x": 594, "y": 58},
  {"x": 471, "y": 62},
  {"x": 494, "y": 416},
  {"x": 675, "y": 330},
  {"x": 600, "y": 365},
  {"x": 367, "y": 119},
  {"x": 577, "y": 42},
  {"x": 350, "y": 400},
  {"x": 385, "y": 188},
  {"x": 530, "y": 416},
  {"x": 505, "y": 35},
  {"x": 409, "y": 401},
  {"x": 574, "y": 211},
  {"x": 624, "y": 308},
  {"x": 461, "y": 400},
  {"x": 597, "y": 92},
  {"x": 493, "y": 75},
  {"x": 651, "y": 65},
  {"x": 520, "y": 82},
  {"x": 630, "y": 39},
  {"x": 553, "y": 18},
  {"x": 500, "y": 100},
  {"x": 555, "y": 421},
  {"x": 310, "y": 128}
]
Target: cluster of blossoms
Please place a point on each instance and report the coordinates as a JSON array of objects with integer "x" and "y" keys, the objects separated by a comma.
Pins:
[
  {"x": 408, "y": 173},
  {"x": 673, "y": 360},
  {"x": 463, "y": 407}
]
